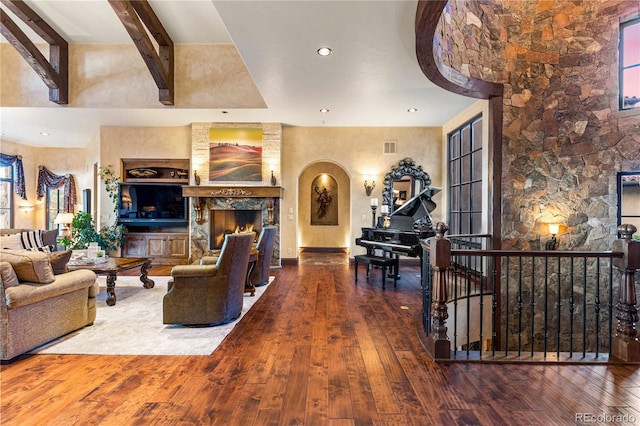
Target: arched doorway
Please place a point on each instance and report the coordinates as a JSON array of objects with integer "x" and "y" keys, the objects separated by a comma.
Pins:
[{"x": 324, "y": 208}]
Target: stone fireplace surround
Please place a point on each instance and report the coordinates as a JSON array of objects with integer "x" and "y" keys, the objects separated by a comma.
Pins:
[{"x": 225, "y": 197}]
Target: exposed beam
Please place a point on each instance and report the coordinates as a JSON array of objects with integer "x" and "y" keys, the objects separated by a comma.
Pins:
[
  {"x": 55, "y": 71},
  {"x": 138, "y": 17}
]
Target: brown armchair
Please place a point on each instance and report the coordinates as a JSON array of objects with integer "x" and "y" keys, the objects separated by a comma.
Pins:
[
  {"x": 260, "y": 273},
  {"x": 212, "y": 292}
]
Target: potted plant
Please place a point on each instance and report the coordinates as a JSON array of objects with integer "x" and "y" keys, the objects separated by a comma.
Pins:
[
  {"x": 83, "y": 232},
  {"x": 112, "y": 237}
]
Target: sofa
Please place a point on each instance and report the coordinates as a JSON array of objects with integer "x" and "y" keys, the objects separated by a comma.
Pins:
[
  {"x": 14, "y": 238},
  {"x": 40, "y": 301}
]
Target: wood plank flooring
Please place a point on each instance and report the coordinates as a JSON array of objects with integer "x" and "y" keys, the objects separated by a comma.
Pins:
[{"x": 316, "y": 349}]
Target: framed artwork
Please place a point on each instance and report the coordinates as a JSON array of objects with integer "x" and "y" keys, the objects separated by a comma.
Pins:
[
  {"x": 324, "y": 200},
  {"x": 235, "y": 154},
  {"x": 403, "y": 195}
]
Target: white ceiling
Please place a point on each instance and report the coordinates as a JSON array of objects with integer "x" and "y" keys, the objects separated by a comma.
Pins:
[{"x": 371, "y": 79}]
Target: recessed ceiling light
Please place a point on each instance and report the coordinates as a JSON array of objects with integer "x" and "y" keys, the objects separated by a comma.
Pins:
[
  {"x": 44, "y": 133},
  {"x": 324, "y": 110},
  {"x": 324, "y": 51},
  {"x": 225, "y": 112},
  {"x": 412, "y": 109}
]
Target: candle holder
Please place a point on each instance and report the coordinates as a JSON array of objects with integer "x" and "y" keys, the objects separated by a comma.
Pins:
[{"x": 373, "y": 212}]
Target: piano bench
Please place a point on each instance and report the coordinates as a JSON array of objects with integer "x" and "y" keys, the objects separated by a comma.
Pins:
[{"x": 384, "y": 262}]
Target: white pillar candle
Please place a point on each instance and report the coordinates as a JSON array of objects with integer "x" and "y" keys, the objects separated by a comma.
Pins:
[
  {"x": 384, "y": 209},
  {"x": 374, "y": 202}
]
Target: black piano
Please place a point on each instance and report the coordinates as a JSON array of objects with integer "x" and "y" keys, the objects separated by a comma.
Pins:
[{"x": 401, "y": 232}]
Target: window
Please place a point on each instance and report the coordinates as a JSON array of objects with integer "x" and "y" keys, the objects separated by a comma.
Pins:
[
  {"x": 465, "y": 178},
  {"x": 6, "y": 197},
  {"x": 629, "y": 198},
  {"x": 55, "y": 205},
  {"x": 630, "y": 64}
]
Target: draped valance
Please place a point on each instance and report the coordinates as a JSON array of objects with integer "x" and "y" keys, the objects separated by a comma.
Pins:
[
  {"x": 18, "y": 172},
  {"x": 47, "y": 179}
]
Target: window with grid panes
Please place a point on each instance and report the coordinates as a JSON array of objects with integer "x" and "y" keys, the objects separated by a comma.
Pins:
[
  {"x": 465, "y": 178},
  {"x": 55, "y": 205},
  {"x": 630, "y": 64},
  {"x": 6, "y": 197}
]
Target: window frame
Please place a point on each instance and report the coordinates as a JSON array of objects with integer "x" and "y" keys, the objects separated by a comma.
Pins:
[
  {"x": 622, "y": 68},
  {"x": 10, "y": 194},
  {"x": 59, "y": 199},
  {"x": 456, "y": 185}
]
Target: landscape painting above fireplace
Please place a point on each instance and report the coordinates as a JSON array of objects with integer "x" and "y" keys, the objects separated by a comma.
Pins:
[{"x": 235, "y": 154}]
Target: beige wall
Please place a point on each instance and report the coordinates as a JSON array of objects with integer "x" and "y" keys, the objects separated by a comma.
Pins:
[
  {"x": 357, "y": 151},
  {"x": 116, "y": 76},
  {"x": 138, "y": 142},
  {"x": 77, "y": 162}
]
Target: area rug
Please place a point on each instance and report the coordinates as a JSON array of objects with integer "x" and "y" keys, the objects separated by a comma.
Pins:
[{"x": 134, "y": 325}]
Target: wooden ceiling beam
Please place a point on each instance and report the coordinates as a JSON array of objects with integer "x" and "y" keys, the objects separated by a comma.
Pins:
[
  {"x": 138, "y": 17},
  {"x": 55, "y": 71}
]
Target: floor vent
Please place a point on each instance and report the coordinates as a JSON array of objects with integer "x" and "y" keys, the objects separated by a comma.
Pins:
[{"x": 389, "y": 147}]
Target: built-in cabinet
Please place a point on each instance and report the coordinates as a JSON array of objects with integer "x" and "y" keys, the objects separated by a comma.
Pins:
[
  {"x": 154, "y": 231},
  {"x": 166, "y": 248}
]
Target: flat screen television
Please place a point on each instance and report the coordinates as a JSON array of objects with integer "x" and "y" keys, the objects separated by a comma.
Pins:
[{"x": 152, "y": 204}]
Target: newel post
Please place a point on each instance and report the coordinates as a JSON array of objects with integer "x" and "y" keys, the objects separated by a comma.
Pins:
[
  {"x": 625, "y": 344},
  {"x": 438, "y": 344}
]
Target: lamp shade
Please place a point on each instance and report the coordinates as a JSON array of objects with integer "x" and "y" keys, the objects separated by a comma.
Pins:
[
  {"x": 63, "y": 218},
  {"x": 554, "y": 228}
]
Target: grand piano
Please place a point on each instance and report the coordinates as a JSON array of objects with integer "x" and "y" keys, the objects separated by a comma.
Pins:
[{"x": 400, "y": 233}]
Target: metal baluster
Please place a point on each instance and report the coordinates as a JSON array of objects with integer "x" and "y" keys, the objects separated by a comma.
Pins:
[
  {"x": 546, "y": 308},
  {"x": 571, "y": 308},
  {"x": 559, "y": 304},
  {"x": 610, "y": 305},
  {"x": 584, "y": 307},
  {"x": 532, "y": 303},
  {"x": 508, "y": 314},
  {"x": 494, "y": 306},
  {"x": 519, "y": 300},
  {"x": 481, "y": 334},
  {"x": 596, "y": 306}
]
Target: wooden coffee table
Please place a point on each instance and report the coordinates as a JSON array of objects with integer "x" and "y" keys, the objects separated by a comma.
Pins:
[{"x": 111, "y": 267}]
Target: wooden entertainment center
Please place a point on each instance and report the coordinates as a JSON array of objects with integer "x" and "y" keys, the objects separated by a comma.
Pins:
[{"x": 153, "y": 209}]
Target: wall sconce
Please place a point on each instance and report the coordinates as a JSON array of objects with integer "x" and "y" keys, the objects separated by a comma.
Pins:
[
  {"x": 368, "y": 187},
  {"x": 197, "y": 207},
  {"x": 196, "y": 178},
  {"x": 273, "y": 178},
  {"x": 26, "y": 208},
  {"x": 553, "y": 230}
]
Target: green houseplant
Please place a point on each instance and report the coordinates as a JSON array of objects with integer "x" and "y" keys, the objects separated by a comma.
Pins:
[
  {"x": 111, "y": 237},
  {"x": 83, "y": 232}
]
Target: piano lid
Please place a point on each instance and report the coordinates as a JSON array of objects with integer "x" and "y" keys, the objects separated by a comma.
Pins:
[{"x": 419, "y": 206}]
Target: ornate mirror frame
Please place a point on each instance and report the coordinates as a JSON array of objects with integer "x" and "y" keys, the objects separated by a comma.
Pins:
[{"x": 405, "y": 168}]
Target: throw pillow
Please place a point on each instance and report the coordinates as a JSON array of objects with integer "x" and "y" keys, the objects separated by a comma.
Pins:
[
  {"x": 11, "y": 242},
  {"x": 59, "y": 260},
  {"x": 32, "y": 239},
  {"x": 8, "y": 275},
  {"x": 31, "y": 266}
]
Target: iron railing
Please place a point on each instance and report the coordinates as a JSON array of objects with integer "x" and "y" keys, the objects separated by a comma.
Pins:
[{"x": 535, "y": 305}]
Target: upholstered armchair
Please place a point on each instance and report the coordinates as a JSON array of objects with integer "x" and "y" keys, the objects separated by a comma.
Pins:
[
  {"x": 260, "y": 273},
  {"x": 210, "y": 293}
]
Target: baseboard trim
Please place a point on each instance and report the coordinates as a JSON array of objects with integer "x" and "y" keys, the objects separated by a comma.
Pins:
[{"x": 342, "y": 250}]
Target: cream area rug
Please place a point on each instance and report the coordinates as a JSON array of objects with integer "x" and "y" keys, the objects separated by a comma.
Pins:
[{"x": 134, "y": 325}]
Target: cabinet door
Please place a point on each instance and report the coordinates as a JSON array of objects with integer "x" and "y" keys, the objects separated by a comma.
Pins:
[
  {"x": 177, "y": 245},
  {"x": 134, "y": 246},
  {"x": 156, "y": 245}
]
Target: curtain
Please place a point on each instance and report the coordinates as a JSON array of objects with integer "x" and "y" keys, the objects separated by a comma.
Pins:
[
  {"x": 46, "y": 179},
  {"x": 18, "y": 172}
]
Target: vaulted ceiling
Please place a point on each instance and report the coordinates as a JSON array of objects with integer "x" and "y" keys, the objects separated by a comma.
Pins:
[{"x": 372, "y": 77}]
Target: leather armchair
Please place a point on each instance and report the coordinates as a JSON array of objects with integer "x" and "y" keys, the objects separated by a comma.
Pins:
[
  {"x": 260, "y": 273},
  {"x": 210, "y": 293}
]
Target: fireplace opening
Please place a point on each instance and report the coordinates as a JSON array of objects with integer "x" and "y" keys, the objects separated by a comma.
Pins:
[{"x": 230, "y": 221}]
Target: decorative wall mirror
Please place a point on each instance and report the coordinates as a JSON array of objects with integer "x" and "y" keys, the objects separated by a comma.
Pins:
[
  {"x": 629, "y": 198},
  {"x": 403, "y": 182}
]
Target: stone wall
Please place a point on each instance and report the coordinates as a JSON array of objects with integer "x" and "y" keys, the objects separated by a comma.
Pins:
[{"x": 563, "y": 138}]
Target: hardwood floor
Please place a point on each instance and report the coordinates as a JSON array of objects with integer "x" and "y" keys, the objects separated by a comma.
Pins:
[{"x": 316, "y": 349}]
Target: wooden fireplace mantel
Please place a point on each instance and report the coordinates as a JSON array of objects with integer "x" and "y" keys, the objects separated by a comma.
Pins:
[{"x": 230, "y": 191}]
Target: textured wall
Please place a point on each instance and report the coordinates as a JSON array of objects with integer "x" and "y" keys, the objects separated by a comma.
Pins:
[{"x": 563, "y": 136}]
